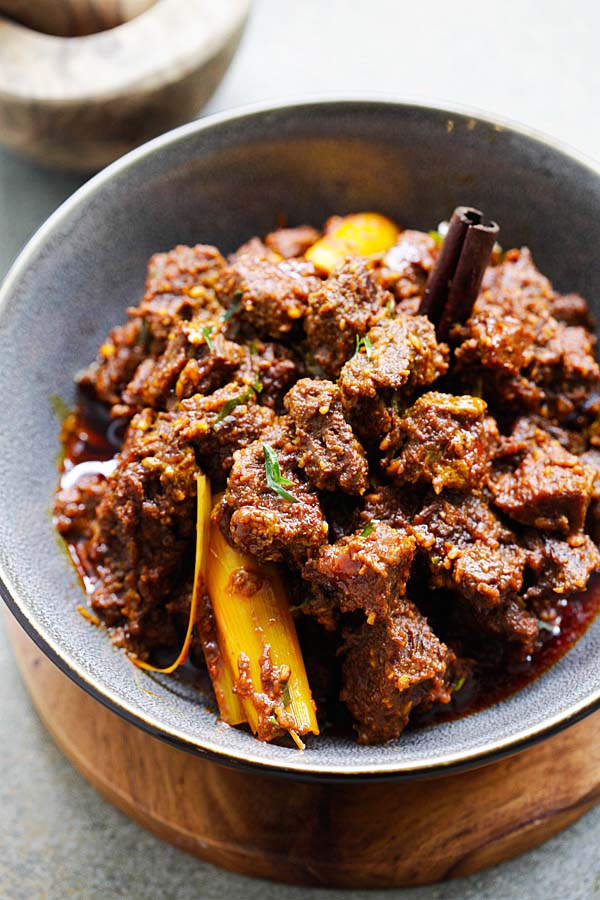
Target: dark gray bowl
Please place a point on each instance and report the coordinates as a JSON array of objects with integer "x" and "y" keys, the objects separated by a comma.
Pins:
[{"x": 220, "y": 180}]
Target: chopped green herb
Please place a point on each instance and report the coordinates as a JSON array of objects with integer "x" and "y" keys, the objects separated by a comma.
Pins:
[
  {"x": 366, "y": 343},
  {"x": 253, "y": 347},
  {"x": 59, "y": 407},
  {"x": 300, "y": 606},
  {"x": 231, "y": 404},
  {"x": 235, "y": 305},
  {"x": 437, "y": 237},
  {"x": 275, "y": 479},
  {"x": 391, "y": 307},
  {"x": 285, "y": 694},
  {"x": 272, "y": 720},
  {"x": 144, "y": 335},
  {"x": 459, "y": 683},
  {"x": 546, "y": 626},
  {"x": 257, "y": 385},
  {"x": 207, "y": 331},
  {"x": 369, "y": 528}
]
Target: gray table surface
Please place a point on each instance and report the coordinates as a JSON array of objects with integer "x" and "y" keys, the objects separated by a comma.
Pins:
[{"x": 532, "y": 62}]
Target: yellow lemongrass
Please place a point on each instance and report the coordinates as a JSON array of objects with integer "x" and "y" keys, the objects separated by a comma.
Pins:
[{"x": 252, "y": 613}]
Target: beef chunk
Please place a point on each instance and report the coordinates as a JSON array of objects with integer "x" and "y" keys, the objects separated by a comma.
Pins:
[
  {"x": 591, "y": 459},
  {"x": 290, "y": 242},
  {"x": 117, "y": 360},
  {"x": 513, "y": 346},
  {"x": 390, "y": 668},
  {"x": 366, "y": 571},
  {"x": 441, "y": 439},
  {"x": 402, "y": 355},
  {"x": 184, "y": 283},
  {"x": 75, "y": 507},
  {"x": 197, "y": 359},
  {"x": 406, "y": 266},
  {"x": 509, "y": 622},
  {"x": 149, "y": 503},
  {"x": 548, "y": 487},
  {"x": 261, "y": 521},
  {"x": 276, "y": 368},
  {"x": 559, "y": 567},
  {"x": 345, "y": 306},
  {"x": 221, "y": 423},
  {"x": 274, "y": 293},
  {"x": 390, "y": 503},
  {"x": 572, "y": 310},
  {"x": 330, "y": 455},
  {"x": 468, "y": 549}
]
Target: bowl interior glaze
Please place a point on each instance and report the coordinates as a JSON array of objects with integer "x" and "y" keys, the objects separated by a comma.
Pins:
[{"x": 219, "y": 181}]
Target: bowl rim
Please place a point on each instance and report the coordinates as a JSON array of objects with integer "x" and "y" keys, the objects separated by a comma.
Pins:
[{"x": 451, "y": 761}]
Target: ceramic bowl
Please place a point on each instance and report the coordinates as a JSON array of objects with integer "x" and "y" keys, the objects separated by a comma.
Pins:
[{"x": 218, "y": 181}]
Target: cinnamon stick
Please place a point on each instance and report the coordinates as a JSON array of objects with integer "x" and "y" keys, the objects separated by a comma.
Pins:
[{"x": 455, "y": 279}]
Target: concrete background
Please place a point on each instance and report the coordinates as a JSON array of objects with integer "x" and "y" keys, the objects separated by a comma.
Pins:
[{"x": 535, "y": 63}]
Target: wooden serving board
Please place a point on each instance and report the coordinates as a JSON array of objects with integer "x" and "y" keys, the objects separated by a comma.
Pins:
[{"x": 346, "y": 835}]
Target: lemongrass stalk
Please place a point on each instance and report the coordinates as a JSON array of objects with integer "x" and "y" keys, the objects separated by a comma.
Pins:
[{"x": 253, "y": 617}]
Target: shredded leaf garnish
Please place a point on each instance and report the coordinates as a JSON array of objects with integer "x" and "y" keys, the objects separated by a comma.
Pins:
[
  {"x": 546, "y": 626},
  {"x": 273, "y": 720},
  {"x": 437, "y": 237},
  {"x": 391, "y": 308},
  {"x": 275, "y": 479},
  {"x": 230, "y": 405},
  {"x": 257, "y": 385},
  {"x": 369, "y": 528},
  {"x": 235, "y": 305},
  {"x": 366, "y": 343},
  {"x": 59, "y": 407},
  {"x": 204, "y": 506},
  {"x": 207, "y": 331},
  {"x": 253, "y": 347},
  {"x": 144, "y": 335},
  {"x": 459, "y": 683},
  {"x": 285, "y": 695}
]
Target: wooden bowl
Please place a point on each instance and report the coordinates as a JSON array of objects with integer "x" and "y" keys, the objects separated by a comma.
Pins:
[
  {"x": 219, "y": 180},
  {"x": 80, "y": 101}
]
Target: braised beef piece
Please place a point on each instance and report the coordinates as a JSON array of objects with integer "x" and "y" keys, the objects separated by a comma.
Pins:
[
  {"x": 149, "y": 503},
  {"x": 468, "y": 548},
  {"x": 367, "y": 571},
  {"x": 275, "y": 368},
  {"x": 329, "y": 454},
  {"x": 118, "y": 358},
  {"x": 273, "y": 293},
  {"x": 290, "y": 242},
  {"x": 221, "y": 423},
  {"x": 257, "y": 518},
  {"x": 75, "y": 507},
  {"x": 341, "y": 310},
  {"x": 546, "y": 486},
  {"x": 592, "y": 523},
  {"x": 404, "y": 269},
  {"x": 397, "y": 357},
  {"x": 559, "y": 567},
  {"x": 572, "y": 310},
  {"x": 512, "y": 346},
  {"x": 390, "y": 668},
  {"x": 198, "y": 359},
  {"x": 390, "y": 503},
  {"x": 180, "y": 284},
  {"x": 441, "y": 439}
]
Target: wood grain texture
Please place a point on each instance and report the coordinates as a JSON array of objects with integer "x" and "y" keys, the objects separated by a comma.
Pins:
[
  {"x": 345, "y": 835},
  {"x": 80, "y": 102}
]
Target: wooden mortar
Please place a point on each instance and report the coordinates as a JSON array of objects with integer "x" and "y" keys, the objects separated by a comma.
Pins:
[
  {"x": 78, "y": 100},
  {"x": 351, "y": 834}
]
